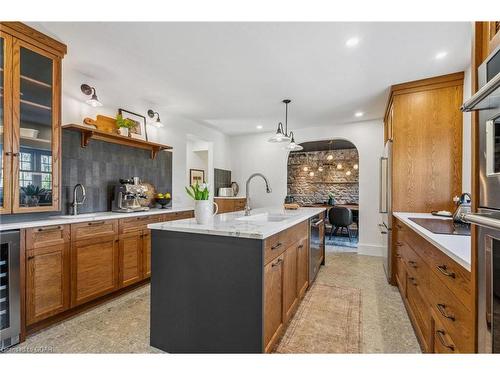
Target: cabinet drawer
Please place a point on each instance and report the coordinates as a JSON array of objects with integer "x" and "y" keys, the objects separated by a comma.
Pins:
[
  {"x": 177, "y": 216},
  {"x": 239, "y": 204},
  {"x": 453, "y": 315},
  {"x": 138, "y": 223},
  {"x": 416, "y": 267},
  {"x": 47, "y": 236},
  {"x": 419, "y": 308},
  {"x": 93, "y": 229},
  {"x": 277, "y": 243},
  {"x": 454, "y": 276},
  {"x": 442, "y": 340}
]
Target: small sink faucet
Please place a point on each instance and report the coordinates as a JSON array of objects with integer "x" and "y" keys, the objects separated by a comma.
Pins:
[
  {"x": 77, "y": 203},
  {"x": 247, "y": 193}
]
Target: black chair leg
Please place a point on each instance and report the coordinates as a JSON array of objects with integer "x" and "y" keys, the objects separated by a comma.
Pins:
[
  {"x": 331, "y": 231},
  {"x": 349, "y": 234}
]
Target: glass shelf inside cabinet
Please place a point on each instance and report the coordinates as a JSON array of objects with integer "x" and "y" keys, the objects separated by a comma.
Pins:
[{"x": 35, "y": 157}]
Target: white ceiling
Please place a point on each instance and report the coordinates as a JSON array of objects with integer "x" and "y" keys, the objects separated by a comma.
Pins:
[{"x": 233, "y": 76}]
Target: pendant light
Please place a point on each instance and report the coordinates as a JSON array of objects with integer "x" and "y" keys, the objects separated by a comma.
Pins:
[
  {"x": 281, "y": 135},
  {"x": 292, "y": 146},
  {"x": 329, "y": 157}
]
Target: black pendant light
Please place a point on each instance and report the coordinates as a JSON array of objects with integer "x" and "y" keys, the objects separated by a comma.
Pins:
[{"x": 282, "y": 135}]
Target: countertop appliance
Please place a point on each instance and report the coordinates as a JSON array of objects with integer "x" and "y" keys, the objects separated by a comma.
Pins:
[
  {"x": 10, "y": 308},
  {"x": 316, "y": 245},
  {"x": 128, "y": 194},
  {"x": 487, "y": 219},
  {"x": 226, "y": 192},
  {"x": 385, "y": 206}
]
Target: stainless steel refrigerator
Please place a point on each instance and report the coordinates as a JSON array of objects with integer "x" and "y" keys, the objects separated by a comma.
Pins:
[{"x": 385, "y": 206}]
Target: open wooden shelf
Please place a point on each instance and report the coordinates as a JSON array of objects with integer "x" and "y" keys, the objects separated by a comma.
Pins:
[{"x": 88, "y": 133}]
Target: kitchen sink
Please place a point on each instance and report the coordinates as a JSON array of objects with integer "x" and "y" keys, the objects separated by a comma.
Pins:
[{"x": 264, "y": 217}]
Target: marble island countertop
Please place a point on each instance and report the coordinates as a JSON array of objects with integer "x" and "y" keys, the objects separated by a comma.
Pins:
[
  {"x": 262, "y": 222},
  {"x": 109, "y": 215},
  {"x": 456, "y": 247}
]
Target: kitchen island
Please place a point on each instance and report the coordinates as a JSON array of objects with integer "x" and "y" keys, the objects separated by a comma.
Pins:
[{"x": 230, "y": 286}]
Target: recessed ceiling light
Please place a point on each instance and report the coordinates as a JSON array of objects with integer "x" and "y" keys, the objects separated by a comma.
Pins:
[
  {"x": 259, "y": 126},
  {"x": 441, "y": 55},
  {"x": 352, "y": 42},
  {"x": 359, "y": 114}
]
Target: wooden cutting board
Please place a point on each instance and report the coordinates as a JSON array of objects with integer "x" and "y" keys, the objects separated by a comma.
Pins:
[{"x": 104, "y": 123}]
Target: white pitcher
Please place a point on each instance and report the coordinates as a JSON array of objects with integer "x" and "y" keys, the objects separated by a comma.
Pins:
[{"x": 203, "y": 211}]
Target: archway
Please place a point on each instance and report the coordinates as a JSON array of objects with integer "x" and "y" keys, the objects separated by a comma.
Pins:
[{"x": 326, "y": 173}]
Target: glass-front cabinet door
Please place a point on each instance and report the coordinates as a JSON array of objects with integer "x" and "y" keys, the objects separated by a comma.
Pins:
[
  {"x": 36, "y": 129},
  {"x": 5, "y": 123}
]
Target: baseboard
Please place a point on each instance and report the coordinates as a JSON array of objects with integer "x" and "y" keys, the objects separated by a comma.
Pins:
[{"x": 373, "y": 250}]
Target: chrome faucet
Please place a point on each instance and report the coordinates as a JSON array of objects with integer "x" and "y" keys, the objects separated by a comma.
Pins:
[
  {"x": 77, "y": 203},
  {"x": 247, "y": 193}
]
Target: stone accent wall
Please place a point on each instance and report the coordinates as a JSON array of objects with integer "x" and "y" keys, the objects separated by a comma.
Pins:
[{"x": 308, "y": 189}]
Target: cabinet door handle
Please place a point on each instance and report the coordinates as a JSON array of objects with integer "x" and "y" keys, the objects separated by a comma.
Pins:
[
  {"x": 440, "y": 334},
  {"x": 444, "y": 270},
  {"x": 276, "y": 246},
  {"x": 301, "y": 246},
  {"x": 277, "y": 263},
  {"x": 399, "y": 244},
  {"x": 49, "y": 229},
  {"x": 93, "y": 223},
  {"x": 31, "y": 257},
  {"x": 442, "y": 309},
  {"x": 8, "y": 153},
  {"x": 398, "y": 255},
  {"x": 413, "y": 280},
  {"x": 399, "y": 226},
  {"x": 412, "y": 263}
]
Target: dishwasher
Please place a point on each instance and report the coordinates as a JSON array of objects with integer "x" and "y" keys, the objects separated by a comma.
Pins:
[
  {"x": 10, "y": 308},
  {"x": 316, "y": 245}
]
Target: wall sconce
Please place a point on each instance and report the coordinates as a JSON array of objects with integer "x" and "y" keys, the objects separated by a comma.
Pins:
[
  {"x": 355, "y": 166},
  {"x": 88, "y": 90},
  {"x": 311, "y": 174},
  {"x": 305, "y": 169},
  {"x": 320, "y": 169},
  {"x": 152, "y": 115},
  {"x": 339, "y": 166},
  {"x": 348, "y": 173},
  {"x": 329, "y": 157}
]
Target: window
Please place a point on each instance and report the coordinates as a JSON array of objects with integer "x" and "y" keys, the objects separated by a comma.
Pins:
[
  {"x": 26, "y": 167},
  {"x": 35, "y": 168}
]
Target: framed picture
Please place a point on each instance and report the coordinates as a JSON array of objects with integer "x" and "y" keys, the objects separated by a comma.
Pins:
[
  {"x": 196, "y": 176},
  {"x": 139, "y": 131}
]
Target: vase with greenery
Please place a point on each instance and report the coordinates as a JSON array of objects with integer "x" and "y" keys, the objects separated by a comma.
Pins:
[
  {"x": 331, "y": 201},
  {"x": 203, "y": 210},
  {"x": 124, "y": 125},
  {"x": 32, "y": 194}
]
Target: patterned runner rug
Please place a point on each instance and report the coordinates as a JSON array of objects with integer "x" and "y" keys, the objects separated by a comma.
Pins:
[{"x": 328, "y": 320}]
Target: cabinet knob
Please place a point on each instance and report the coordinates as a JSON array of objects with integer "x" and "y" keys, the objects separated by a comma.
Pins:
[
  {"x": 444, "y": 270},
  {"x": 277, "y": 263},
  {"x": 440, "y": 335}
]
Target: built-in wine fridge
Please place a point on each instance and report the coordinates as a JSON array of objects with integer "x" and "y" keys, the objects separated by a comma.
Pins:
[{"x": 10, "y": 310}]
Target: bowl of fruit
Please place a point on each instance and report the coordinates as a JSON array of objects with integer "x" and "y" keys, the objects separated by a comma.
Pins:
[{"x": 163, "y": 199}]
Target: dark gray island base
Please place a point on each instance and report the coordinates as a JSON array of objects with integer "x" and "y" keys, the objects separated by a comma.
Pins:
[
  {"x": 213, "y": 293},
  {"x": 206, "y": 293}
]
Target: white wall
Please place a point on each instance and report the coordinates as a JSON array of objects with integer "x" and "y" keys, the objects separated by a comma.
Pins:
[
  {"x": 252, "y": 153},
  {"x": 175, "y": 133}
]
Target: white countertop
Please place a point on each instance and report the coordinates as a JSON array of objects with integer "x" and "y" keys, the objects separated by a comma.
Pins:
[
  {"x": 83, "y": 218},
  {"x": 456, "y": 247},
  {"x": 234, "y": 224},
  {"x": 237, "y": 197}
]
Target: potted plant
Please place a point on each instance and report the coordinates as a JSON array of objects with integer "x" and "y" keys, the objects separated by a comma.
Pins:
[
  {"x": 124, "y": 124},
  {"x": 203, "y": 210},
  {"x": 32, "y": 194},
  {"x": 331, "y": 201}
]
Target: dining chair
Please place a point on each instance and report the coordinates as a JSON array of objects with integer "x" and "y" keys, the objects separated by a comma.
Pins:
[{"x": 340, "y": 218}]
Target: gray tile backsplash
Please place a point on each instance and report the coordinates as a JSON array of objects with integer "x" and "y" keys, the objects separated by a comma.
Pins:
[
  {"x": 98, "y": 167},
  {"x": 222, "y": 178}
]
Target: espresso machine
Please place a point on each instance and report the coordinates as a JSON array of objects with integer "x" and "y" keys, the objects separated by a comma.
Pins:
[{"x": 128, "y": 194}]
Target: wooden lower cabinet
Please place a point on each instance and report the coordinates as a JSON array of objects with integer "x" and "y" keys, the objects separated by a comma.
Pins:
[
  {"x": 146, "y": 254},
  {"x": 290, "y": 296},
  {"x": 302, "y": 267},
  {"x": 436, "y": 292},
  {"x": 273, "y": 297},
  {"x": 47, "y": 282},
  {"x": 230, "y": 204},
  {"x": 94, "y": 268},
  {"x": 130, "y": 258}
]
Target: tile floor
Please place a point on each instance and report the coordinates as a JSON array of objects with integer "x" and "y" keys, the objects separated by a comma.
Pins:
[{"x": 122, "y": 325}]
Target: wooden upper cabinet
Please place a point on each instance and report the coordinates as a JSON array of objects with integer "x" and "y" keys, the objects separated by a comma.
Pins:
[
  {"x": 31, "y": 118},
  {"x": 427, "y": 143}
]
